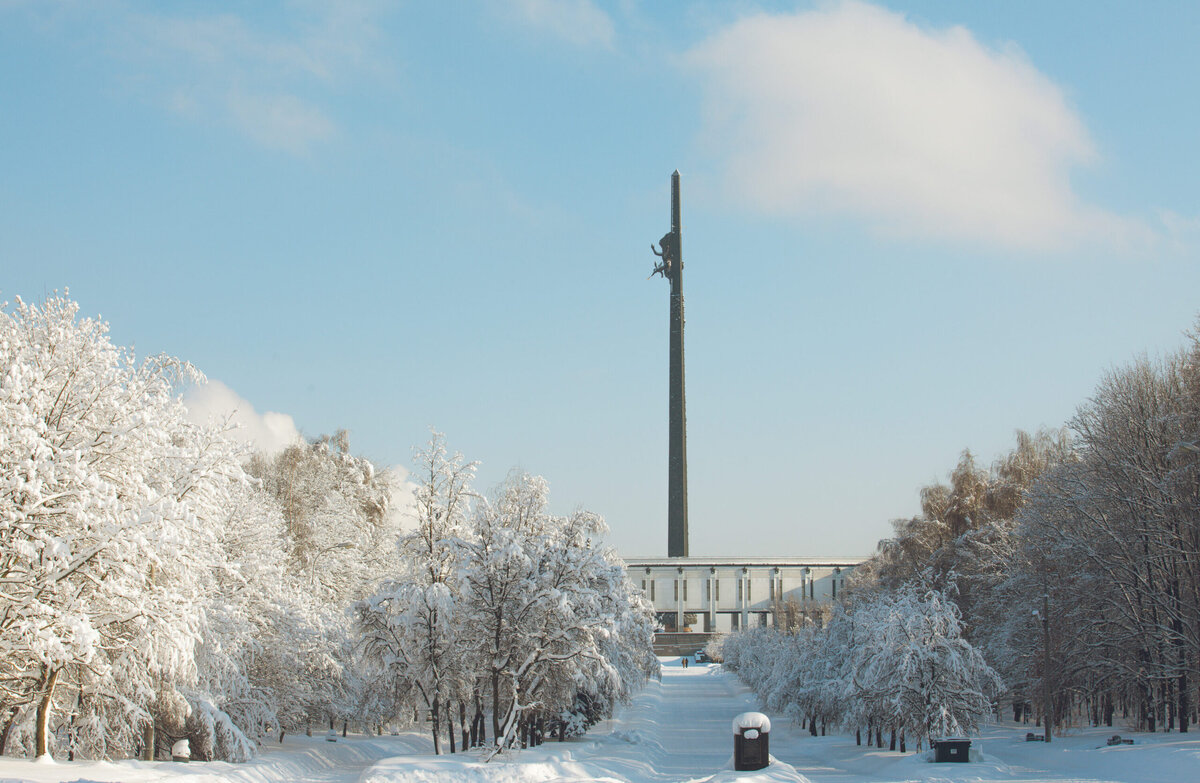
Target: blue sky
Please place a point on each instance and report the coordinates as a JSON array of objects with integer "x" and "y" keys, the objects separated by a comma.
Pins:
[{"x": 909, "y": 228}]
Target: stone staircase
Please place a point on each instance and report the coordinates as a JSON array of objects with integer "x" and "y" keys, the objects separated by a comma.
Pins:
[{"x": 684, "y": 643}]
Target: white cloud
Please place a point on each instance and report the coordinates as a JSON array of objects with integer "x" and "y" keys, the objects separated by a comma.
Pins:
[
  {"x": 578, "y": 22},
  {"x": 403, "y": 505},
  {"x": 1181, "y": 232},
  {"x": 269, "y": 85},
  {"x": 854, "y": 109},
  {"x": 214, "y": 401},
  {"x": 282, "y": 122}
]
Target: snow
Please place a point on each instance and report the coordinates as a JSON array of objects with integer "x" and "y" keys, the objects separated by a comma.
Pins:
[
  {"x": 675, "y": 730},
  {"x": 751, "y": 720}
]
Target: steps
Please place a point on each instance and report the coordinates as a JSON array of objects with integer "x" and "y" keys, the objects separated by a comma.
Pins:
[{"x": 684, "y": 643}]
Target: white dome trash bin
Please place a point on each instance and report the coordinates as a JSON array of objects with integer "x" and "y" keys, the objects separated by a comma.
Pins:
[
  {"x": 181, "y": 751},
  {"x": 751, "y": 741}
]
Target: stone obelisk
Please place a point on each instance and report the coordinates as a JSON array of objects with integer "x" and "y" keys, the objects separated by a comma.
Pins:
[{"x": 671, "y": 267}]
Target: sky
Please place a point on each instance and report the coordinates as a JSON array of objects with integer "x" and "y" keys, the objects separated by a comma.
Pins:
[{"x": 908, "y": 229}]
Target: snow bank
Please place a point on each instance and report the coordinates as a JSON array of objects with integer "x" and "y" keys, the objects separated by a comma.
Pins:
[
  {"x": 777, "y": 772},
  {"x": 518, "y": 768},
  {"x": 300, "y": 758}
]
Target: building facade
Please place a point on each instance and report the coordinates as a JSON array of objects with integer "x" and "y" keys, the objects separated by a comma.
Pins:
[{"x": 721, "y": 594}]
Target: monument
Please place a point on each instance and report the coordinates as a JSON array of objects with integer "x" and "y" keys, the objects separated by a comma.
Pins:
[
  {"x": 670, "y": 250},
  {"x": 686, "y": 592}
]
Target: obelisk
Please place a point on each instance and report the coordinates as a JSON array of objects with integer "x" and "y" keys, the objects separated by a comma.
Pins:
[{"x": 671, "y": 268}]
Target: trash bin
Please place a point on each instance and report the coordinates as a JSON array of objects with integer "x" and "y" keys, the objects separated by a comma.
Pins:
[
  {"x": 181, "y": 751},
  {"x": 751, "y": 735},
  {"x": 952, "y": 749}
]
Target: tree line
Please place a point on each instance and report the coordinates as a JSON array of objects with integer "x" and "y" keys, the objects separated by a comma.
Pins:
[
  {"x": 891, "y": 662},
  {"x": 159, "y": 581},
  {"x": 1072, "y": 564}
]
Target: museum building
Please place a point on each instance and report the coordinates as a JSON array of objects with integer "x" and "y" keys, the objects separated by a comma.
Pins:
[{"x": 721, "y": 594}]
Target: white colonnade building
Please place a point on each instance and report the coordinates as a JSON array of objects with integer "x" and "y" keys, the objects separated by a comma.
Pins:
[{"x": 731, "y": 593}]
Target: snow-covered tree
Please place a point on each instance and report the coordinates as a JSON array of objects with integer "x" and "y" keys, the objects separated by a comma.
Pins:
[
  {"x": 106, "y": 494},
  {"x": 409, "y": 626},
  {"x": 508, "y": 608},
  {"x": 931, "y": 681},
  {"x": 896, "y": 661},
  {"x": 340, "y": 537},
  {"x": 340, "y": 541},
  {"x": 250, "y": 658},
  {"x": 553, "y": 614}
]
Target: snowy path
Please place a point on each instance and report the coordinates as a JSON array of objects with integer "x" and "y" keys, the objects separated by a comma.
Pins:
[{"x": 682, "y": 727}]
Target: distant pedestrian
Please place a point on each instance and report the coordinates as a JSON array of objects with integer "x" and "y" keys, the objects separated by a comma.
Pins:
[{"x": 685, "y": 661}]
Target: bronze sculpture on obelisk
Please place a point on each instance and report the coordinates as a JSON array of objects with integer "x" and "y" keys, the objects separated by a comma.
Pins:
[{"x": 671, "y": 267}]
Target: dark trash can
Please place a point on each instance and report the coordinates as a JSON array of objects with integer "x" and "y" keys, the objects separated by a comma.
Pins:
[
  {"x": 952, "y": 749},
  {"x": 751, "y": 741}
]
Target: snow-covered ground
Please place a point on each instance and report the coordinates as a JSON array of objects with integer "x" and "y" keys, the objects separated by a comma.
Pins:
[{"x": 676, "y": 730}]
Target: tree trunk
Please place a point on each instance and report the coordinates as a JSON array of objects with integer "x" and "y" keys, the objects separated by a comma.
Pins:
[
  {"x": 450, "y": 727},
  {"x": 10, "y": 720},
  {"x": 42, "y": 735},
  {"x": 437, "y": 739},
  {"x": 1046, "y": 708},
  {"x": 477, "y": 722},
  {"x": 902, "y": 746},
  {"x": 892, "y": 742},
  {"x": 1184, "y": 707},
  {"x": 496, "y": 705},
  {"x": 344, "y": 726},
  {"x": 149, "y": 740}
]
